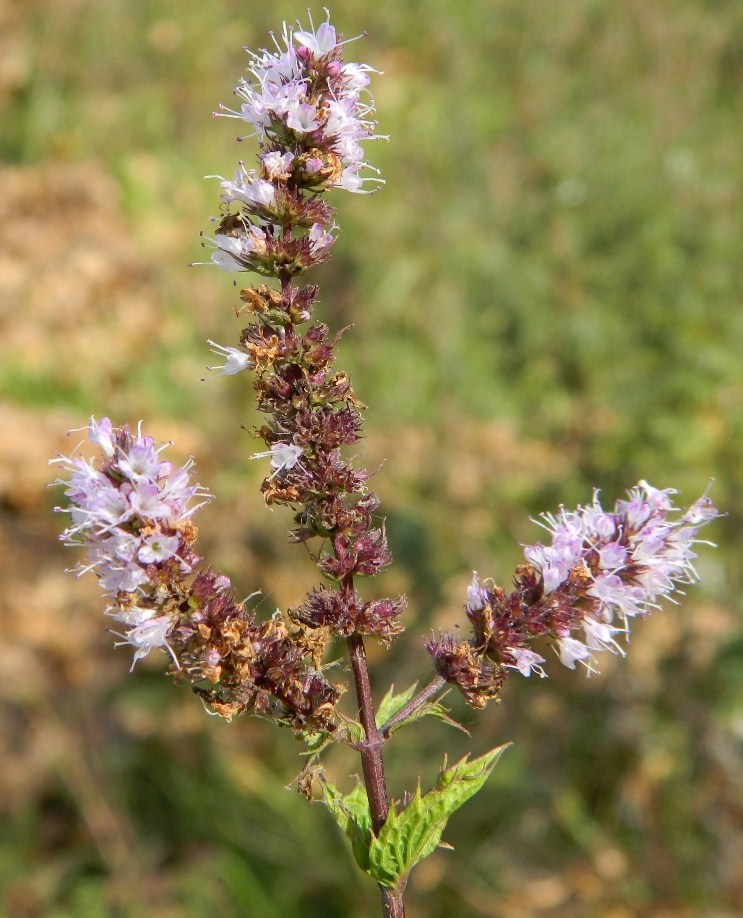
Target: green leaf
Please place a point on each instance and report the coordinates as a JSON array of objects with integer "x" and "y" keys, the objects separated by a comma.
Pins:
[
  {"x": 353, "y": 816},
  {"x": 391, "y": 703},
  {"x": 351, "y": 731},
  {"x": 316, "y": 743},
  {"x": 411, "y": 835}
]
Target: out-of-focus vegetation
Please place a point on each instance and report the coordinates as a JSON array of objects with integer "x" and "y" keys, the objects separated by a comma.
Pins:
[{"x": 546, "y": 297}]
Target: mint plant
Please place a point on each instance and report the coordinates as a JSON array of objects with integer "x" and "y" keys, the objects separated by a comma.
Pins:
[{"x": 578, "y": 591}]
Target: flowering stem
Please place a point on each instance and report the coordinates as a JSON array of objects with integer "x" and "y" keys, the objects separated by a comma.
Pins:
[
  {"x": 426, "y": 694},
  {"x": 132, "y": 511}
]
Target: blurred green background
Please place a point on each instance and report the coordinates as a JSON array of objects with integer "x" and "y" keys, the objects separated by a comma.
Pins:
[{"x": 545, "y": 298}]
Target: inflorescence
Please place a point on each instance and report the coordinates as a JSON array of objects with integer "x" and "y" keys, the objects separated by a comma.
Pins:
[
  {"x": 601, "y": 570},
  {"x": 311, "y": 112}
]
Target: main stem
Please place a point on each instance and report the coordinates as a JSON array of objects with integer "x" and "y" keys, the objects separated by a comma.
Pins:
[
  {"x": 372, "y": 763},
  {"x": 371, "y": 748}
]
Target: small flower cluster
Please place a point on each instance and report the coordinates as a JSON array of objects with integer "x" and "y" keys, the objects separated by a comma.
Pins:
[
  {"x": 349, "y": 614},
  {"x": 601, "y": 570},
  {"x": 305, "y": 99},
  {"x": 132, "y": 512},
  {"x": 305, "y": 105}
]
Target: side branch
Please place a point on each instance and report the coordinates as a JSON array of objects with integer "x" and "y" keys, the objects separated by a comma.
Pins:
[{"x": 426, "y": 694}]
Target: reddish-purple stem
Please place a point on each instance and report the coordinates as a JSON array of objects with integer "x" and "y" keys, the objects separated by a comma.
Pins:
[
  {"x": 372, "y": 764},
  {"x": 371, "y": 748}
]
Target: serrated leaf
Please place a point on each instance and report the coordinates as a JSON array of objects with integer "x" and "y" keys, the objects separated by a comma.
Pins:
[
  {"x": 391, "y": 703},
  {"x": 352, "y": 814},
  {"x": 410, "y": 836}
]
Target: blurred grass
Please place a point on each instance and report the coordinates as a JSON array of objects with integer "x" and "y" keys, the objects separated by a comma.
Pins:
[{"x": 545, "y": 298}]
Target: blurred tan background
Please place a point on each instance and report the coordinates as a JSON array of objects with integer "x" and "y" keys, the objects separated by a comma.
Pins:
[{"x": 546, "y": 297}]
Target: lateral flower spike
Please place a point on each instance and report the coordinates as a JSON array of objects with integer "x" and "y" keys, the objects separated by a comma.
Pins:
[
  {"x": 132, "y": 513},
  {"x": 600, "y": 571}
]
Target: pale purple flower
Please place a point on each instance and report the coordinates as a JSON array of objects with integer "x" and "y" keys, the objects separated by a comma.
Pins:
[
  {"x": 352, "y": 181},
  {"x": 617, "y": 595},
  {"x": 600, "y": 635},
  {"x": 158, "y": 547},
  {"x": 320, "y": 42},
  {"x": 572, "y": 650},
  {"x": 612, "y": 555},
  {"x": 270, "y": 68},
  {"x": 283, "y": 456},
  {"x": 302, "y": 118},
  {"x": 142, "y": 461},
  {"x": 237, "y": 360},
  {"x": 597, "y": 521},
  {"x": 115, "y": 576},
  {"x": 319, "y": 238},
  {"x": 102, "y": 435},
  {"x": 477, "y": 595},
  {"x": 105, "y": 506},
  {"x": 553, "y": 575},
  {"x": 527, "y": 662},
  {"x": 236, "y": 253},
  {"x": 179, "y": 492},
  {"x": 226, "y": 262},
  {"x": 277, "y": 164},
  {"x": 247, "y": 188},
  {"x": 150, "y": 634},
  {"x": 702, "y": 511},
  {"x": 147, "y": 501},
  {"x": 356, "y": 75},
  {"x": 130, "y": 615}
]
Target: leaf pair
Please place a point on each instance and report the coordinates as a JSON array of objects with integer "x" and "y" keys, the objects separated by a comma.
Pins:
[{"x": 410, "y": 835}]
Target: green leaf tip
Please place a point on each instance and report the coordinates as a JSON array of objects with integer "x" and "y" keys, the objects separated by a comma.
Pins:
[
  {"x": 409, "y": 836},
  {"x": 392, "y": 703}
]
